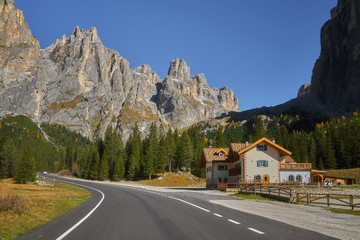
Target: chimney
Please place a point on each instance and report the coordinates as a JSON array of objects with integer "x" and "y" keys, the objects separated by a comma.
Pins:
[
  {"x": 246, "y": 144},
  {"x": 210, "y": 146},
  {"x": 273, "y": 140}
]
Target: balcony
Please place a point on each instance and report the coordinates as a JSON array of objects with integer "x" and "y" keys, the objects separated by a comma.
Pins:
[
  {"x": 234, "y": 171},
  {"x": 295, "y": 166}
]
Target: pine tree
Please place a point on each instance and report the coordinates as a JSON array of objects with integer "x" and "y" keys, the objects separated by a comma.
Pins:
[
  {"x": 25, "y": 171},
  {"x": 312, "y": 151},
  {"x": 8, "y": 159},
  {"x": 220, "y": 138},
  {"x": 259, "y": 129},
  {"x": 329, "y": 160},
  {"x": 70, "y": 155},
  {"x": 170, "y": 148},
  {"x": 186, "y": 156},
  {"x": 119, "y": 169},
  {"x": 134, "y": 153},
  {"x": 103, "y": 168},
  {"x": 94, "y": 161}
]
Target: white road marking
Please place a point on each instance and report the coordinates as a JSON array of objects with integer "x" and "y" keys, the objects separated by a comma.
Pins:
[
  {"x": 218, "y": 215},
  {"x": 191, "y": 204},
  {"x": 88, "y": 215},
  {"x": 255, "y": 230},
  {"x": 230, "y": 220}
]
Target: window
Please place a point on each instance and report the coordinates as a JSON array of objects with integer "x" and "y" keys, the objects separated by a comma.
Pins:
[
  {"x": 222, "y": 167},
  {"x": 221, "y": 154},
  {"x": 262, "y": 163},
  {"x": 291, "y": 178},
  {"x": 219, "y": 180},
  {"x": 261, "y": 147},
  {"x": 208, "y": 169},
  {"x": 258, "y": 178},
  {"x": 238, "y": 165},
  {"x": 225, "y": 180},
  {"x": 298, "y": 178}
]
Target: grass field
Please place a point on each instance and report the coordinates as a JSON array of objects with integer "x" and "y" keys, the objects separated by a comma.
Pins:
[{"x": 43, "y": 203}]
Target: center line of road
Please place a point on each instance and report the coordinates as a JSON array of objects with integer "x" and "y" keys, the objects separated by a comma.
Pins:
[
  {"x": 257, "y": 231},
  {"x": 218, "y": 215},
  {"x": 230, "y": 220},
  {"x": 88, "y": 215}
]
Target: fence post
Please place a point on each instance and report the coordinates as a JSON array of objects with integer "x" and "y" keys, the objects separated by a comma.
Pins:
[
  {"x": 307, "y": 198},
  {"x": 328, "y": 199},
  {"x": 351, "y": 202}
]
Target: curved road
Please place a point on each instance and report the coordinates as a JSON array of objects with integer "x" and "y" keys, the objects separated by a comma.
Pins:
[{"x": 119, "y": 212}]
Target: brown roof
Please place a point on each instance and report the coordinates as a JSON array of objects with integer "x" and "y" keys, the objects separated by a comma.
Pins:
[
  {"x": 210, "y": 154},
  {"x": 289, "y": 159},
  {"x": 237, "y": 147}
]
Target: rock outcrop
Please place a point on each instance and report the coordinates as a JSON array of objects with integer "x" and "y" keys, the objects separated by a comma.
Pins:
[
  {"x": 79, "y": 83},
  {"x": 304, "y": 89},
  {"x": 336, "y": 74}
]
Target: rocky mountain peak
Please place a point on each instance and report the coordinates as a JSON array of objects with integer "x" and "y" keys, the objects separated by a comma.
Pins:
[
  {"x": 336, "y": 74},
  {"x": 304, "y": 89},
  {"x": 79, "y": 83},
  {"x": 179, "y": 70}
]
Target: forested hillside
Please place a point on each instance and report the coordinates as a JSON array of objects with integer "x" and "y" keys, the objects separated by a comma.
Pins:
[
  {"x": 18, "y": 132},
  {"x": 331, "y": 144}
]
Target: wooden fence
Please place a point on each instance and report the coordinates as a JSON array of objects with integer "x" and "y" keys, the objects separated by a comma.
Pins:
[
  {"x": 335, "y": 199},
  {"x": 298, "y": 194}
]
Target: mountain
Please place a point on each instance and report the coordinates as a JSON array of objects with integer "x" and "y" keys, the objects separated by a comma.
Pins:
[
  {"x": 335, "y": 83},
  {"x": 79, "y": 83},
  {"x": 336, "y": 74}
]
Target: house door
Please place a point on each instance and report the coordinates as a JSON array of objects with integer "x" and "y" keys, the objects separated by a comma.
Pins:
[{"x": 266, "y": 179}]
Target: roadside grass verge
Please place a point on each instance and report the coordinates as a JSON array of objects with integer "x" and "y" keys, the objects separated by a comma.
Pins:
[
  {"x": 346, "y": 211},
  {"x": 251, "y": 196},
  {"x": 42, "y": 204}
]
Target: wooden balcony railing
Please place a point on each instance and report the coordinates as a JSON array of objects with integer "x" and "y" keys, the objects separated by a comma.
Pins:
[
  {"x": 234, "y": 171},
  {"x": 295, "y": 166}
]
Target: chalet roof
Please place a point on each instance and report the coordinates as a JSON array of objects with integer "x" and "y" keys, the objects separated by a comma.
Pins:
[
  {"x": 212, "y": 154},
  {"x": 289, "y": 159},
  {"x": 282, "y": 151},
  {"x": 237, "y": 147}
]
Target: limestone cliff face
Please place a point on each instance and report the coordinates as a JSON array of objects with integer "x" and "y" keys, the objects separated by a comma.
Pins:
[
  {"x": 183, "y": 98},
  {"x": 79, "y": 83},
  {"x": 336, "y": 74},
  {"x": 19, "y": 55}
]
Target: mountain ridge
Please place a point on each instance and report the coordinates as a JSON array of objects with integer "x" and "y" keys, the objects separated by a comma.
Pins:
[{"x": 79, "y": 83}]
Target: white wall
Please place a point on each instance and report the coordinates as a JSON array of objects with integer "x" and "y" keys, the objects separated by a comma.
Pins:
[
  {"x": 222, "y": 173},
  {"x": 305, "y": 175}
]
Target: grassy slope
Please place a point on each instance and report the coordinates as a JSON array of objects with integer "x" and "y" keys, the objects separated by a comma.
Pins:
[
  {"x": 44, "y": 204},
  {"x": 175, "y": 180}
]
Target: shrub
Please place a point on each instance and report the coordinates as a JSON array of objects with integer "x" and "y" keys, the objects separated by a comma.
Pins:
[{"x": 12, "y": 203}]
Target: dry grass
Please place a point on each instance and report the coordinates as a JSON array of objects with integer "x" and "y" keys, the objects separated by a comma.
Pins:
[
  {"x": 44, "y": 203},
  {"x": 12, "y": 203},
  {"x": 175, "y": 180}
]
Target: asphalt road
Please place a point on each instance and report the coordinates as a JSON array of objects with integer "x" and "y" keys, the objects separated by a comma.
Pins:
[{"x": 119, "y": 212}]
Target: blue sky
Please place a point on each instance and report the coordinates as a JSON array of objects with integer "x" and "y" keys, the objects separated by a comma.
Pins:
[{"x": 263, "y": 50}]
